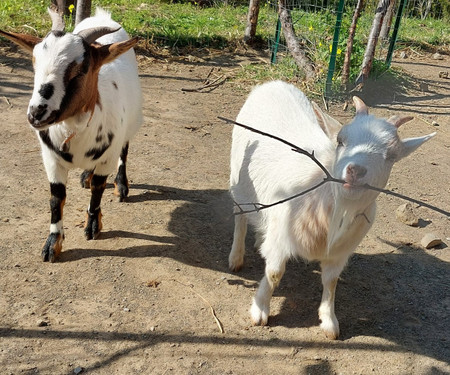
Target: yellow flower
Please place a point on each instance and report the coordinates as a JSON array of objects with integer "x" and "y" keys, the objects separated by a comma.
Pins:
[
  {"x": 339, "y": 51},
  {"x": 71, "y": 6},
  {"x": 320, "y": 44},
  {"x": 331, "y": 47},
  {"x": 311, "y": 28}
]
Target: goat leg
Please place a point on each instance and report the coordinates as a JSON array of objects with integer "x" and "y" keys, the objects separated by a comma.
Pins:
[
  {"x": 94, "y": 215},
  {"x": 53, "y": 245},
  {"x": 121, "y": 181}
]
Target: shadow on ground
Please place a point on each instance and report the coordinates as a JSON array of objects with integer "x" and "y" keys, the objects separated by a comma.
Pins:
[{"x": 400, "y": 296}]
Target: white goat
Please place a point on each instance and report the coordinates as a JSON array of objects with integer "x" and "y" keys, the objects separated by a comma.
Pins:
[
  {"x": 86, "y": 106},
  {"x": 328, "y": 223}
]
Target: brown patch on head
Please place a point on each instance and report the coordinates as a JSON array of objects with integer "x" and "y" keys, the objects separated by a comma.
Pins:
[{"x": 86, "y": 95}]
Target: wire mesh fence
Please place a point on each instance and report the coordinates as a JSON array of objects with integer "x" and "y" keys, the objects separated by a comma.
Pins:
[{"x": 316, "y": 22}]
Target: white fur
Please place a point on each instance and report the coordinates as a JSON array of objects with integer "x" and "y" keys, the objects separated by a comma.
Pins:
[
  {"x": 125, "y": 102},
  {"x": 115, "y": 119},
  {"x": 328, "y": 223}
]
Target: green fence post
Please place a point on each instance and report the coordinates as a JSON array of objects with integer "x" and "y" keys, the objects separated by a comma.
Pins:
[
  {"x": 273, "y": 58},
  {"x": 395, "y": 32},
  {"x": 332, "y": 64}
]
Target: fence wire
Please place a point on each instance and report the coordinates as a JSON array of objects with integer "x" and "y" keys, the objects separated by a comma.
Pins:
[{"x": 314, "y": 22}]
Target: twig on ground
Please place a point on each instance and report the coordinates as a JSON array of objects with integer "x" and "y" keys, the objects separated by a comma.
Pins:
[
  {"x": 210, "y": 86},
  {"x": 213, "y": 312},
  {"x": 329, "y": 178},
  {"x": 7, "y": 101}
]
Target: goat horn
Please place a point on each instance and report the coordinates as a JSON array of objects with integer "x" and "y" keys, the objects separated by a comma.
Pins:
[
  {"x": 397, "y": 121},
  {"x": 361, "y": 108},
  {"x": 92, "y": 34},
  {"x": 57, "y": 20}
]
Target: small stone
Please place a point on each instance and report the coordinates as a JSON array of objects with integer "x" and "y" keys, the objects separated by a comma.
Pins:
[
  {"x": 430, "y": 240},
  {"x": 403, "y": 55},
  {"x": 423, "y": 86},
  {"x": 443, "y": 74},
  {"x": 126, "y": 309},
  {"x": 78, "y": 370},
  {"x": 5, "y": 220},
  {"x": 434, "y": 123},
  {"x": 406, "y": 215},
  {"x": 42, "y": 323},
  {"x": 437, "y": 56}
]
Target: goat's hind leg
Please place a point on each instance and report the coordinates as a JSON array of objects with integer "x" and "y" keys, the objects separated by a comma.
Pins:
[
  {"x": 93, "y": 224},
  {"x": 85, "y": 178},
  {"x": 236, "y": 257},
  {"x": 121, "y": 181}
]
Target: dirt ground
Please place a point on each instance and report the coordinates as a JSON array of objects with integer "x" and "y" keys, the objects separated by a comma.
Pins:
[{"x": 137, "y": 300}]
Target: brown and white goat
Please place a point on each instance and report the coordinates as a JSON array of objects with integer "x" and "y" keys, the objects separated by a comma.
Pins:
[
  {"x": 85, "y": 107},
  {"x": 328, "y": 223}
]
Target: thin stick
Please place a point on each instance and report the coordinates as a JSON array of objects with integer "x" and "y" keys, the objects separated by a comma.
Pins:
[
  {"x": 294, "y": 147},
  {"x": 218, "y": 322},
  {"x": 211, "y": 85},
  {"x": 329, "y": 178}
]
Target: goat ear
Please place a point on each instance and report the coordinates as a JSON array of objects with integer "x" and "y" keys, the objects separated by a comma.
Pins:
[
  {"x": 408, "y": 145},
  {"x": 328, "y": 124},
  {"x": 361, "y": 108},
  {"x": 397, "y": 121},
  {"x": 109, "y": 52},
  {"x": 27, "y": 42}
]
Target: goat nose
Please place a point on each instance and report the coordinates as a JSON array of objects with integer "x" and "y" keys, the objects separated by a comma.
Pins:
[
  {"x": 355, "y": 171},
  {"x": 36, "y": 113}
]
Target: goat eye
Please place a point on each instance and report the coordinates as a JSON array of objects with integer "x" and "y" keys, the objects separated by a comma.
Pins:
[{"x": 340, "y": 143}]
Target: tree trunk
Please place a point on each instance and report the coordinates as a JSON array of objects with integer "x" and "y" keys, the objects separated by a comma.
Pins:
[
  {"x": 296, "y": 50},
  {"x": 386, "y": 27},
  {"x": 351, "y": 36},
  {"x": 83, "y": 10},
  {"x": 252, "y": 21},
  {"x": 372, "y": 42}
]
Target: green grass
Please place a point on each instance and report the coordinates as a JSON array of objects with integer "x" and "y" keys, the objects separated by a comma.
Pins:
[{"x": 186, "y": 25}]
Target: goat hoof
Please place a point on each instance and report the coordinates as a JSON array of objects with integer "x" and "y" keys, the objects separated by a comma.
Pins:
[
  {"x": 235, "y": 265},
  {"x": 259, "y": 317},
  {"x": 121, "y": 190},
  {"x": 93, "y": 224},
  {"x": 330, "y": 329},
  {"x": 52, "y": 247}
]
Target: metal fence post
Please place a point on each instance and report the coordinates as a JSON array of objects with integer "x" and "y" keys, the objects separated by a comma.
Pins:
[
  {"x": 332, "y": 64},
  {"x": 273, "y": 57},
  {"x": 401, "y": 7}
]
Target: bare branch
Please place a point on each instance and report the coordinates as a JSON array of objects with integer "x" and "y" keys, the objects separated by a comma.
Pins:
[
  {"x": 294, "y": 147},
  {"x": 329, "y": 178}
]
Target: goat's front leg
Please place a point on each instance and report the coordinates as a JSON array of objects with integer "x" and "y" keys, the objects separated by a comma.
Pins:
[
  {"x": 330, "y": 275},
  {"x": 53, "y": 246},
  {"x": 93, "y": 224},
  {"x": 275, "y": 268}
]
